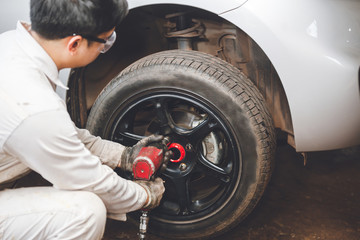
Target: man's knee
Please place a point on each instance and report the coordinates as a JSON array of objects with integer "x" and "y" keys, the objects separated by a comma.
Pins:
[{"x": 92, "y": 214}]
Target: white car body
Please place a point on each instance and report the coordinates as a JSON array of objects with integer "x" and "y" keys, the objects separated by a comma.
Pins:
[{"x": 314, "y": 47}]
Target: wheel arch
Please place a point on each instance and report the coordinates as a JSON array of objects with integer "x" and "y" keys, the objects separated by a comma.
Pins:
[{"x": 142, "y": 33}]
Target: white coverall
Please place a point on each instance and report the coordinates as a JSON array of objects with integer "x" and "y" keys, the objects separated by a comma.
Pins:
[{"x": 36, "y": 133}]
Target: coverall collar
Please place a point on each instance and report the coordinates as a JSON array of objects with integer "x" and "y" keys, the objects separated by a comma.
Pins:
[{"x": 40, "y": 57}]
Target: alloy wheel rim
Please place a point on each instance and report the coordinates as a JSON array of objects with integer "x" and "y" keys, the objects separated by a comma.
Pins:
[{"x": 202, "y": 183}]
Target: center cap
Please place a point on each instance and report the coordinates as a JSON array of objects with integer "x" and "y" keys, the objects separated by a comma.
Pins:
[{"x": 178, "y": 151}]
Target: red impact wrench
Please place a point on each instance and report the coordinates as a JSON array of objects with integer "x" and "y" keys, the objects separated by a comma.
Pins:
[{"x": 146, "y": 164}]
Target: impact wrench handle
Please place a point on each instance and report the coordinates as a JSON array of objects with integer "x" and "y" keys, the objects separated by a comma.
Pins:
[{"x": 144, "y": 220}]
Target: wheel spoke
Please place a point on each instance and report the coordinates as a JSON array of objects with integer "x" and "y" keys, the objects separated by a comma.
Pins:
[
  {"x": 202, "y": 130},
  {"x": 127, "y": 138},
  {"x": 212, "y": 169},
  {"x": 183, "y": 194},
  {"x": 163, "y": 116}
]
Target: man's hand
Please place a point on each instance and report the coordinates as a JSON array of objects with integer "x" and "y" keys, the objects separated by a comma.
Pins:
[
  {"x": 130, "y": 153},
  {"x": 155, "y": 190}
]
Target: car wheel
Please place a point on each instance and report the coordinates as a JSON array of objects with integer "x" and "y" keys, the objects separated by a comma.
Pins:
[{"x": 221, "y": 132}]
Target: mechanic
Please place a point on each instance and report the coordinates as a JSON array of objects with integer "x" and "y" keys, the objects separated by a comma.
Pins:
[{"x": 37, "y": 134}]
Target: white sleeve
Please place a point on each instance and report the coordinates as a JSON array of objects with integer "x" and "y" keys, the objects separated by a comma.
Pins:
[
  {"x": 109, "y": 152},
  {"x": 48, "y": 143}
]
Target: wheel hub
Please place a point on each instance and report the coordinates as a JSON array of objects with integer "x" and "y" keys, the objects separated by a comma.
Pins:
[{"x": 181, "y": 162}]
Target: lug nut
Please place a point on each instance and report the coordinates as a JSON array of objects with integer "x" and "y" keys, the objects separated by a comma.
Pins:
[
  {"x": 189, "y": 147},
  {"x": 183, "y": 167}
]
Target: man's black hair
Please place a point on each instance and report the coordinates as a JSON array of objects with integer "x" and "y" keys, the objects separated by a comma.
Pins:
[{"x": 55, "y": 19}]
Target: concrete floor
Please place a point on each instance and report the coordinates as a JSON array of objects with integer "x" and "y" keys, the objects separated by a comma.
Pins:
[{"x": 318, "y": 201}]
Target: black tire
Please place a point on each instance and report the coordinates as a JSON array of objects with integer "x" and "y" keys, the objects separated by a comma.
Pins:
[{"x": 207, "y": 193}]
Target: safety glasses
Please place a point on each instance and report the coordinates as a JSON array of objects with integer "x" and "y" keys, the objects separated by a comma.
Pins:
[{"x": 108, "y": 42}]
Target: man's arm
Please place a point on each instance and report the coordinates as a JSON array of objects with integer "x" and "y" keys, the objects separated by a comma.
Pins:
[
  {"x": 48, "y": 143},
  {"x": 108, "y": 152}
]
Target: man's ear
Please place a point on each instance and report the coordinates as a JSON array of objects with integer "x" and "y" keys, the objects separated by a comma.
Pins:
[{"x": 73, "y": 44}]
